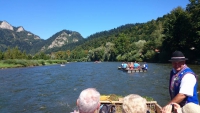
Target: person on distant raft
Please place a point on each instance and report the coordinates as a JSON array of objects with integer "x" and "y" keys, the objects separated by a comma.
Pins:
[
  {"x": 136, "y": 65},
  {"x": 125, "y": 65},
  {"x": 122, "y": 65},
  {"x": 183, "y": 81},
  {"x": 145, "y": 66},
  {"x": 131, "y": 66}
]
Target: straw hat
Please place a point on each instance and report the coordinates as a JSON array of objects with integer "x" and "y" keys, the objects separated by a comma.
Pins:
[
  {"x": 177, "y": 56},
  {"x": 191, "y": 108}
]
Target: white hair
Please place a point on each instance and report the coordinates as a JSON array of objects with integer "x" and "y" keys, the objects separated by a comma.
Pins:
[
  {"x": 134, "y": 103},
  {"x": 88, "y": 101}
]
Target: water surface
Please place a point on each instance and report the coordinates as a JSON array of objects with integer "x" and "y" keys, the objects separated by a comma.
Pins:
[{"x": 54, "y": 89}]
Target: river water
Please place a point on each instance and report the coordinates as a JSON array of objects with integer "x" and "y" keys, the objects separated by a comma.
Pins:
[{"x": 55, "y": 88}]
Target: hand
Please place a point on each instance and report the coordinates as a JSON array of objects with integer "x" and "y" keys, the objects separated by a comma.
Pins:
[
  {"x": 167, "y": 109},
  {"x": 176, "y": 106}
]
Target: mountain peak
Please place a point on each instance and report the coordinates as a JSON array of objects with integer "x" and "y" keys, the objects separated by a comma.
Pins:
[
  {"x": 6, "y": 25},
  {"x": 20, "y": 29}
]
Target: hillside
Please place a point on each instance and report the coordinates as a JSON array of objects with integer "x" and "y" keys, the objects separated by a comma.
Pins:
[
  {"x": 30, "y": 43},
  {"x": 16, "y": 36}
]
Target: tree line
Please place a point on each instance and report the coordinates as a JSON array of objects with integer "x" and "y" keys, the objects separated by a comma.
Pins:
[{"x": 153, "y": 41}]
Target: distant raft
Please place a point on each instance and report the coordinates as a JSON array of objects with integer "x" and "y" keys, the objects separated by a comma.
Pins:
[
  {"x": 132, "y": 70},
  {"x": 62, "y": 64}
]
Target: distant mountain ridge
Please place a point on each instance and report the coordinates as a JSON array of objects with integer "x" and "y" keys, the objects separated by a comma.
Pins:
[{"x": 30, "y": 43}]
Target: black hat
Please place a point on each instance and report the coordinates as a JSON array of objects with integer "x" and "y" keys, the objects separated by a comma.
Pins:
[{"x": 178, "y": 56}]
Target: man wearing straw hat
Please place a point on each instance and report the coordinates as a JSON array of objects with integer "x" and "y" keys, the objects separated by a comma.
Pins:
[{"x": 183, "y": 81}]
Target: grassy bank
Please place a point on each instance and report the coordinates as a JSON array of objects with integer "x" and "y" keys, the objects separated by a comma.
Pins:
[{"x": 13, "y": 63}]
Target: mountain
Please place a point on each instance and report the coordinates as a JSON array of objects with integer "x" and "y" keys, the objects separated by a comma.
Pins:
[
  {"x": 59, "y": 41},
  {"x": 11, "y": 36}
]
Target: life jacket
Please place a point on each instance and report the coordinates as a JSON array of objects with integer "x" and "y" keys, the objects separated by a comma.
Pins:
[{"x": 174, "y": 85}]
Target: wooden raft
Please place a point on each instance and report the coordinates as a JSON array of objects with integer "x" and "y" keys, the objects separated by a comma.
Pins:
[
  {"x": 132, "y": 70},
  {"x": 152, "y": 106}
]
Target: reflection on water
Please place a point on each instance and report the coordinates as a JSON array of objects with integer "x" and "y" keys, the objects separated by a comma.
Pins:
[{"x": 55, "y": 88}]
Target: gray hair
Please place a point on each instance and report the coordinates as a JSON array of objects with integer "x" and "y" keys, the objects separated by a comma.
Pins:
[
  {"x": 134, "y": 103},
  {"x": 88, "y": 101}
]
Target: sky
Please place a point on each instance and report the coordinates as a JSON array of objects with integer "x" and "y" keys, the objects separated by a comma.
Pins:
[{"x": 47, "y": 17}]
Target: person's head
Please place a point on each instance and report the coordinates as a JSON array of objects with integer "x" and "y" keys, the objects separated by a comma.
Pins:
[
  {"x": 134, "y": 103},
  {"x": 191, "y": 108},
  {"x": 88, "y": 101},
  {"x": 178, "y": 60}
]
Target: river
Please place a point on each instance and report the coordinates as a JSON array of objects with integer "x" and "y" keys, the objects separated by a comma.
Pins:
[{"x": 55, "y": 88}]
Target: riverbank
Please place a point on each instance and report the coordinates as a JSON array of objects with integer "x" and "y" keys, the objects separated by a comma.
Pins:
[{"x": 15, "y": 63}]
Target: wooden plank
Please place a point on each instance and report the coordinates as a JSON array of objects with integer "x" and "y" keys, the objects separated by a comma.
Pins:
[
  {"x": 158, "y": 108},
  {"x": 129, "y": 71},
  {"x": 132, "y": 70},
  {"x": 153, "y": 106}
]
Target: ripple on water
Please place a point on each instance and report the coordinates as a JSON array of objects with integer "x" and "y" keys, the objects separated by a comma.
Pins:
[{"x": 55, "y": 89}]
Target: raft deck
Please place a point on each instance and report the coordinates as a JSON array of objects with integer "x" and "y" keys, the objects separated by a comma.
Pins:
[
  {"x": 152, "y": 106},
  {"x": 132, "y": 70}
]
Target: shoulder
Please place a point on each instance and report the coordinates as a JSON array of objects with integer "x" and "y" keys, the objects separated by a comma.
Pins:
[{"x": 189, "y": 77}]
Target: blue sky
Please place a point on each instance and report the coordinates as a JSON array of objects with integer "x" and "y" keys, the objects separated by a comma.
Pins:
[{"x": 47, "y": 17}]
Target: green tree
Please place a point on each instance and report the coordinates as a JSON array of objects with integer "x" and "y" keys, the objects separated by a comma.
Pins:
[
  {"x": 176, "y": 31},
  {"x": 194, "y": 33},
  {"x": 122, "y": 44},
  {"x": 7, "y": 54},
  {"x": 1, "y": 55}
]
